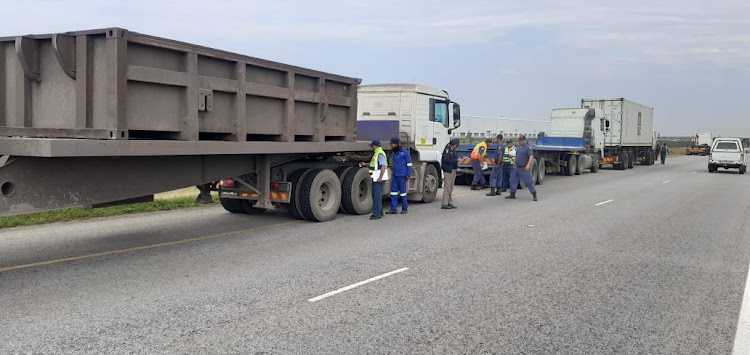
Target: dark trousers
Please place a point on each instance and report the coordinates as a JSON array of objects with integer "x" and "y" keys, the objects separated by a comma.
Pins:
[
  {"x": 478, "y": 173},
  {"x": 663, "y": 157},
  {"x": 398, "y": 189},
  {"x": 377, "y": 198},
  {"x": 496, "y": 178},
  {"x": 507, "y": 170},
  {"x": 519, "y": 173}
]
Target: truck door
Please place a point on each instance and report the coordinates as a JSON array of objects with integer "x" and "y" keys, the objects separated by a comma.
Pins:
[{"x": 440, "y": 122}]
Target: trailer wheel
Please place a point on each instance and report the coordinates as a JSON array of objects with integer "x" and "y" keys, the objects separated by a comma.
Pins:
[
  {"x": 631, "y": 160},
  {"x": 579, "y": 166},
  {"x": 623, "y": 164},
  {"x": 249, "y": 208},
  {"x": 320, "y": 195},
  {"x": 430, "y": 186},
  {"x": 542, "y": 172},
  {"x": 296, "y": 180},
  {"x": 535, "y": 171},
  {"x": 341, "y": 172},
  {"x": 595, "y": 166},
  {"x": 571, "y": 165},
  {"x": 232, "y": 205},
  {"x": 356, "y": 192}
]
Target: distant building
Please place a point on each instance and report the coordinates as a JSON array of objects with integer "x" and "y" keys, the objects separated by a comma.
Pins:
[{"x": 489, "y": 127}]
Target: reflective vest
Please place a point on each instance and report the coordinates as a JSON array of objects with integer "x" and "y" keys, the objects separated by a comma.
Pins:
[
  {"x": 475, "y": 152},
  {"x": 507, "y": 159},
  {"x": 374, "y": 160}
]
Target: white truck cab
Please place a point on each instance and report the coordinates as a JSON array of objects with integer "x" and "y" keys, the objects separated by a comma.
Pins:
[
  {"x": 727, "y": 153},
  {"x": 422, "y": 117}
]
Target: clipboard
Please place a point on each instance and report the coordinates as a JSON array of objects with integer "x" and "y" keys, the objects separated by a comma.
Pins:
[{"x": 376, "y": 174}]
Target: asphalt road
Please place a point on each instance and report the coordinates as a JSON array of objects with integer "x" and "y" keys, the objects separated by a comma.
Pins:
[{"x": 659, "y": 269}]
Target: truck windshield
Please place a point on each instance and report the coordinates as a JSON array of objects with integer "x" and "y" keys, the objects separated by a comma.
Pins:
[{"x": 727, "y": 146}]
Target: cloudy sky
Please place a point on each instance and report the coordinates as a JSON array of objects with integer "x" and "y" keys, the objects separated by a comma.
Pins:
[{"x": 688, "y": 59}]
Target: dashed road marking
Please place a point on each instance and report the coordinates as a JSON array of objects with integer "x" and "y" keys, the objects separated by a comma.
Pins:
[
  {"x": 666, "y": 182},
  {"x": 603, "y": 203},
  {"x": 347, "y": 288}
]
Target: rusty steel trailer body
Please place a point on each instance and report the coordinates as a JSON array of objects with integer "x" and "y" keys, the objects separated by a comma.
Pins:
[{"x": 89, "y": 118}]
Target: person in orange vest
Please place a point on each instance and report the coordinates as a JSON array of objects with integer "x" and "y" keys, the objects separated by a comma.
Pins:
[{"x": 478, "y": 164}]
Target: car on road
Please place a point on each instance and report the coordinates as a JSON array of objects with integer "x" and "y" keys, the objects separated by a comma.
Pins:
[{"x": 727, "y": 153}]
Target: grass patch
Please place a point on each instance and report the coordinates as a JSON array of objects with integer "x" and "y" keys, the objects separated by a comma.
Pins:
[{"x": 72, "y": 214}]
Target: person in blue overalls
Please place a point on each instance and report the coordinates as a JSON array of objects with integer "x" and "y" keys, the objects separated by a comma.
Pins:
[
  {"x": 401, "y": 173},
  {"x": 522, "y": 169},
  {"x": 496, "y": 178}
]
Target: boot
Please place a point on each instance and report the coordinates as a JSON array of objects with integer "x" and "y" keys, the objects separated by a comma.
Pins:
[
  {"x": 475, "y": 187},
  {"x": 492, "y": 192},
  {"x": 535, "y": 197},
  {"x": 512, "y": 196}
]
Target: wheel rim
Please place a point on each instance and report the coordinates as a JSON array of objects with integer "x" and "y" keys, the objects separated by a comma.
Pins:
[
  {"x": 430, "y": 184},
  {"x": 362, "y": 191},
  {"x": 325, "y": 202}
]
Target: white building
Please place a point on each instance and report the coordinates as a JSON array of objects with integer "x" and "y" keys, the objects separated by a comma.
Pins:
[{"x": 489, "y": 127}]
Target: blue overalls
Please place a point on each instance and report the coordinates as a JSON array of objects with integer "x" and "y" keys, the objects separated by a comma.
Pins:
[{"x": 402, "y": 167}]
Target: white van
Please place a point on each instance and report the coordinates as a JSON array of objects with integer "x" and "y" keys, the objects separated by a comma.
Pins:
[{"x": 727, "y": 153}]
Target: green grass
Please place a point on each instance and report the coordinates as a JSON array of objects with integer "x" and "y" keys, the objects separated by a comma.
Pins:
[{"x": 71, "y": 214}]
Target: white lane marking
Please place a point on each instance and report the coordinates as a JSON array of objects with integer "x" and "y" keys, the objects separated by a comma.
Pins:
[
  {"x": 694, "y": 172},
  {"x": 347, "y": 288},
  {"x": 666, "y": 182},
  {"x": 603, "y": 203},
  {"x": 742, "y": 338}
]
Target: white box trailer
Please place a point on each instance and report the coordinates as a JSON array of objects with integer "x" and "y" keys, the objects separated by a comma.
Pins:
[{"x": 629, "y": 131}]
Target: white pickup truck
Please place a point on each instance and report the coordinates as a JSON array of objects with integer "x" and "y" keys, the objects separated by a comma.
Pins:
[{"x": 727, "y": 153}]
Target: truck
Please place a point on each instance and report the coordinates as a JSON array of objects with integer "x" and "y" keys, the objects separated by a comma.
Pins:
[
  {"x": 576, "y": 142},
  {"x": 727, "y": 153},
  {"x": 628, "y": 132},
  {"x": 700, "y": 144},
  {"x": 109, "y": 116}
]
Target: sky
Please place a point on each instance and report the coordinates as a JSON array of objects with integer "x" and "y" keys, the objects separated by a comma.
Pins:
[{"x": 688, "y": 59}]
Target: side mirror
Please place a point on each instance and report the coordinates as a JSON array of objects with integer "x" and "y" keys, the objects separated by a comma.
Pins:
[{"x": 456, "y": 115}]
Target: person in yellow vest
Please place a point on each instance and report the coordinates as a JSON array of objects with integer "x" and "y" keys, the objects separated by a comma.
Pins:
[
  {"x": 508, "y": 160},
  {"x": 478, "y": 164},
  {"x": 379, "y": 162}
]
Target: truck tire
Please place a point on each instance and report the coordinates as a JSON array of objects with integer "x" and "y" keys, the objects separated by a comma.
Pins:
[
  {"x": 571, "y": 165},
  {"x": 430, "y": 185},
  {"x": 623, "y": 163},
  {"x": 595, "y": 165},
  {"x": 296, "y": 180},
  {"x": 247, "y": 205},
  {"x": 535, "y": 171},
  {"x": 320, "y": 195},
  {"x": 356, "y": 192},
  {"x": 542, "y": 172},
  {"x": 579, "y": 166},
  {"x": 232, "y": 205},
  {"x": 631, "y": 160},
  {"x": 341, "y": 172},
  {"x": 650, "y": 158}
]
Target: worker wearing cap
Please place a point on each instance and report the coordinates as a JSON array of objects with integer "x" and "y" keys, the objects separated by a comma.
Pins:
[
  {"x": 378, "y": 162},
  {"x": 401, "y": 173},
  {"x": 522, "y": 169},
  {"x": 449, "y": 163},
  {"x": 478, "y": 164},
  {"x": 496, "y": 178},
  {"x": 508, "y": 159}
]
